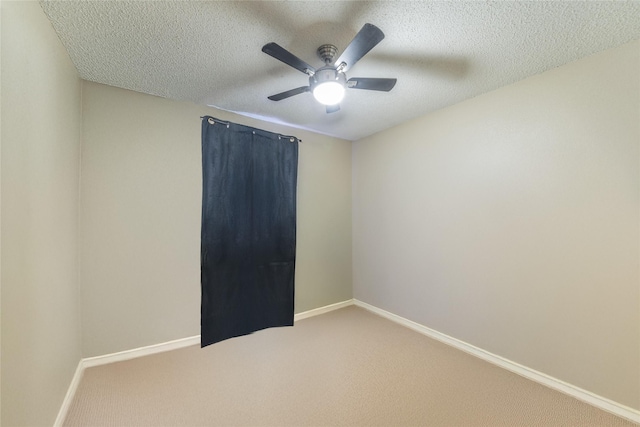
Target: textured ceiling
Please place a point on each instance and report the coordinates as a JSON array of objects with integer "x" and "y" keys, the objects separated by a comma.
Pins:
[{"x": 440, "y": 52}]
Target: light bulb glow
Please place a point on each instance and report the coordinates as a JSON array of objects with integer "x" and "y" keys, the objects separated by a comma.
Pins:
[{"x": 329, "y": 93}]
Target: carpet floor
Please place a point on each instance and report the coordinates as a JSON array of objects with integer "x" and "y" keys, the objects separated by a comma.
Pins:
[{"x": 344, "y": 368}]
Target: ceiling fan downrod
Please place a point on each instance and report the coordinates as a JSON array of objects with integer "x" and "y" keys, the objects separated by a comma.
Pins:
[{"x": 327, "y": 52}]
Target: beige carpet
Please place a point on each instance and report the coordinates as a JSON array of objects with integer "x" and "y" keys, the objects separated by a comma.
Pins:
[{"x": 347, "y": 367}]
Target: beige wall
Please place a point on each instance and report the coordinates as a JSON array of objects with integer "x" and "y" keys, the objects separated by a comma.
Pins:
[
  {"x": 40, "y": 183},
  {"x": 511, "y": 221},
  {"x": 141, "y": 202}
]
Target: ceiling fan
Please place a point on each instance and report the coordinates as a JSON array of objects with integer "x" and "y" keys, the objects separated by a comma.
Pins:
[{"x": 328, "y": 83}]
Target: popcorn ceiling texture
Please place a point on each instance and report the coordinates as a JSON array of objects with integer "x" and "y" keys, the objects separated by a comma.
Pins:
[{"x": 440, "y": 52}]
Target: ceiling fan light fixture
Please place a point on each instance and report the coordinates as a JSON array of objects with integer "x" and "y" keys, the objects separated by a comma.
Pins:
[
  {"x": 329, "y": 93},
  {"x": 328, "y": 86}
]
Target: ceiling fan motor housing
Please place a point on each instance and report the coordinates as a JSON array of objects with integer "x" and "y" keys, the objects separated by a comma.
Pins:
[
  {"x": 327, "y": 74},
  {"x": 328, "y": 85}
]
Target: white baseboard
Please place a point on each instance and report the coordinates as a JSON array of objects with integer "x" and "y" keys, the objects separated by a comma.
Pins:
[
  {"x": 539, "y": 377},
  {"x": 554, "y": 383},
  {"x": 140, "y": 351},
  {"x": 322, "y": 310},
  {"x": 68, "y": 398},
  {"x": 189, "y": 341},
  {"x": 154, "y": 349}
]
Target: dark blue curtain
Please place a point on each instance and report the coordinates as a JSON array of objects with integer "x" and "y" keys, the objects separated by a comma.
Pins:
[{"x": 248, "y": 235}]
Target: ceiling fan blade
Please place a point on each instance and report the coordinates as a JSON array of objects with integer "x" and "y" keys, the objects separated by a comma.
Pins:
[
  {"x": 384, "y": 85},
  {"x": 368, "y": 36},
  {"x": 288, "y": 58},
  {"x": 291, "y": 92},
  {"x": 333, "y": 108}
]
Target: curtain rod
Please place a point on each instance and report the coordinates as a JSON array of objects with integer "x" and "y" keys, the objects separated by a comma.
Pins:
[{"x": 213, "y": 120}]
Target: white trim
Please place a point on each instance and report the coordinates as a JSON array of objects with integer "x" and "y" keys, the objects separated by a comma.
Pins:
[
  {"x": 68, "y": 398},
  {"x": 186, "y": 342},
  {"x": 322, "y": 310},
  {"x": 539, "y": 377},
  {"x": 154, "y": 349},
  {"x": 140, "y": 351}
]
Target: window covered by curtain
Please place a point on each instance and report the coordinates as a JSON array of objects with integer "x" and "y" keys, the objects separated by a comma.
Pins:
[{"x": 248, "y": 235}]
